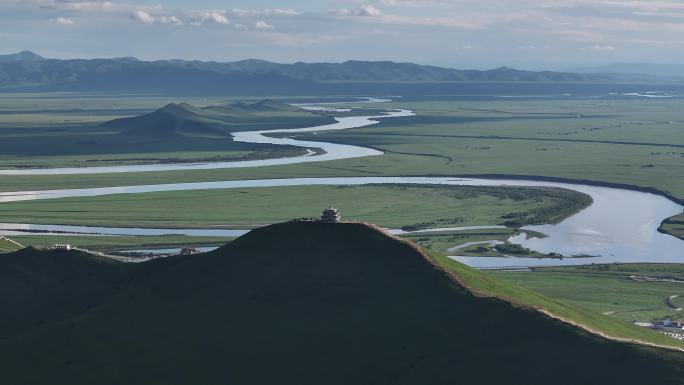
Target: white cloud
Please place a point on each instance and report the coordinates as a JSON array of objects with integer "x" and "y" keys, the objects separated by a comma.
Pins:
[
  {"x": 341, "y": 12},
  {"x": 416, "y": 3},
  {"x": 449, "y": 22},
  {"x": 218, "y": 17},
  {"x": 75, "y": 5},
  {"x": 147, "y": 18},
  {"x": 625, "y": 30},
  {"x": 598, "y": 47},
  {"x": 369, "y": 10},
  {"x": 93, "y": 6},
  {"x": 142, "y": 16},
  {"x": 265, "y": 12},
  {"x": 299, "y": 40},
  {"x": 63, "y": 21},
  {"x": 284, "y": 12},
  {"x": 263, "y": 25},
  {"x": 364, "y": 10}
]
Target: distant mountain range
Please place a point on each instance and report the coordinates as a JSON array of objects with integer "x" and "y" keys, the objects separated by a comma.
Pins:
[
  {"x": 21, "y": 56},
  {"x": 29, "y": 71},
  {"x": 649, "y": 69}
]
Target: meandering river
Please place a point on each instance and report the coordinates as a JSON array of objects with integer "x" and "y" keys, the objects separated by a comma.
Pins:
[
  {"x": 331, "y": 151},
  {"x": 620, "y": 225}
]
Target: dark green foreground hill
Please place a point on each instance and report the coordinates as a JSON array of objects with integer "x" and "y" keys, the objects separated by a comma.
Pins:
[{"x": 295, "y": 303}]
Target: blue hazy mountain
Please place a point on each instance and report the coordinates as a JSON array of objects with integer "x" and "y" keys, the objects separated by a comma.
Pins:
[
  {"x": 29, "y": 71},
  {"x": 661, "y": 70}
]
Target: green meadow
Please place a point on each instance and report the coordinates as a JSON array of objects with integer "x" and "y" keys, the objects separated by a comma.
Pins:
[
  {"x": 674, "y": 226},
  {"x": 607, "y": 289},
  {"x": 114, "y": 243},
  {"x": 618, "y": 141},
  {"x": 412, "y": 207},
  {"x": 396, "y": 206},
  {"x": 7, "y": 246},
  {"x": 77, "y": 131}
]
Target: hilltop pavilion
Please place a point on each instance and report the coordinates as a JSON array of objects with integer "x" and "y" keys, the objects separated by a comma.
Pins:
[{"x": 331, "y": 215}]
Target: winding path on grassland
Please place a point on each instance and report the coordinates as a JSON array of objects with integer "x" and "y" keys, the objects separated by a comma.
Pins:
[{"x": 619, "y": 226}]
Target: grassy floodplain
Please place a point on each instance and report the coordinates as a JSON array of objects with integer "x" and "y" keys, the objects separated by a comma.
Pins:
[
  {"x": 75, "y": 131},
  {"x": 395, "y": 206},
  {"x": 503, "y": 285},
  {"x": 113, "y": 243},
  {"x": 607, "y": 289},
  {"x": 638, "y": 142},
  {"x": 7, "y": 246},
  {"x": 674, "y": 226},
  {"x": 412, "y": 207}
]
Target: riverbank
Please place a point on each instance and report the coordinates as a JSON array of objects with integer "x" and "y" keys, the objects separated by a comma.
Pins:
[{"x": 620, "y": 226}]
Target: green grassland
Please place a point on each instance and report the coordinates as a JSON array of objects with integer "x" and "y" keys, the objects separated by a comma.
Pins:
[
  {"x": 299, "y": 303},
  {"x": 505, "y": 286},
  {"x": 632, "y": 142},
  {"x": 88, "y": 133},
  {"x": 114, "y": 243},
  {"x": 674, "y": 226},
  {"x": 412, "y": 207},
  {"x": 396, "y": 206},
  {"x": 619, "y": 141},
  {"x": 7, "y": 246},
  {"x": 607, "y": 289},
  {"x": 442, "y": 241}
]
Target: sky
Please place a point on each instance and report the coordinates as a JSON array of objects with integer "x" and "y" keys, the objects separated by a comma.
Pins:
[{"x": 479, "y": 34}]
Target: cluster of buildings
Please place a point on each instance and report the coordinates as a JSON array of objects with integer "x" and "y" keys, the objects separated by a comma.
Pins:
[
  {"x": 667, "y": 324},
  {"x": 648, "y": 278},
  {"x": 677, "y": 336},
  {"x": 189, "y": 251}
]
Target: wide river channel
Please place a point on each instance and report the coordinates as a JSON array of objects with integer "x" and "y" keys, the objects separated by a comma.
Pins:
[{"x": 619, "y": 226}]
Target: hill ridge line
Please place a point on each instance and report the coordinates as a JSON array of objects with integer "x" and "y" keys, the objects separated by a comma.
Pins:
[{"x": 486, "y": 294}]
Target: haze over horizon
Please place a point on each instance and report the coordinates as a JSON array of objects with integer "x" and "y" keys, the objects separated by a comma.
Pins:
[{"x": 530, "y": 34}]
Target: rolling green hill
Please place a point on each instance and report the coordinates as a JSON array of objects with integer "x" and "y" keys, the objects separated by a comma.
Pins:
[
  {"x": 294, "y": 303},
  {"x": 187, "y": 120}
]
